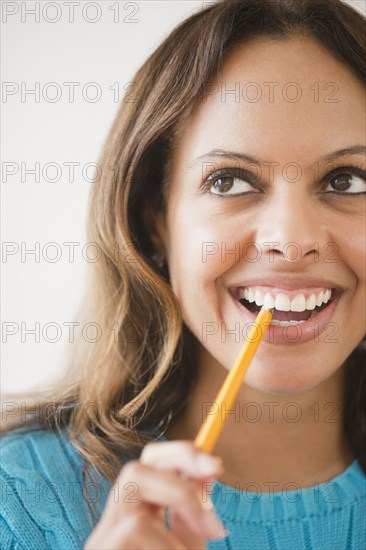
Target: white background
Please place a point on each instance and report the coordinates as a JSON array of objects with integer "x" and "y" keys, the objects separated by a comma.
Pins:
[{"x": 34, "y": 288}]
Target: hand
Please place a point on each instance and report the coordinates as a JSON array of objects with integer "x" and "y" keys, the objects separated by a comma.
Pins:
[{"x": 168, "y": 474}]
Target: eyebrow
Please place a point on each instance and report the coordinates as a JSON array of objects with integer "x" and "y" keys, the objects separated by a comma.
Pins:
[{"x": 234, "y": 155}]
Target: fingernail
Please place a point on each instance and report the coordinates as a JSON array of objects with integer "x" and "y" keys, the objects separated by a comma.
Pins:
[
  {"x": 214, "y": 526},
  {"x": 208, "y": 464}
]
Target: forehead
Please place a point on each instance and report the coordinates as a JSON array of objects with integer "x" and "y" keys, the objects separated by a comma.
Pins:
[{"x": 281, "y": 100}]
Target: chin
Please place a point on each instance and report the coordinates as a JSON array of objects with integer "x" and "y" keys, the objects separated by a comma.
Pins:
[{"x": 289, "y": 384}]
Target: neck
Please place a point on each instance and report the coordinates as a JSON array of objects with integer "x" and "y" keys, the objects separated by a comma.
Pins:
[{"x": 297, "y": 439}]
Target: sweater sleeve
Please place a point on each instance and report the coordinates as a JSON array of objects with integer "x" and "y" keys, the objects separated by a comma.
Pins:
[
  {"x": 7, "y": 539},
  {"x": 19, "y": 525},
  {"x": 41, "y": 505}
]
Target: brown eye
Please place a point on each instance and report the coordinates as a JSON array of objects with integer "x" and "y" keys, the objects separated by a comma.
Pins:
[
  {"x": 347, "y": 183},
  {"x": 222, "y": 185},
  {"x": 230, "y": 183},
  {"x": 342, "y": 182}
]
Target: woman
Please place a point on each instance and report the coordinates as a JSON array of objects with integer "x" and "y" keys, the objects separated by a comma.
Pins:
[{"x": 237, "y": 176}]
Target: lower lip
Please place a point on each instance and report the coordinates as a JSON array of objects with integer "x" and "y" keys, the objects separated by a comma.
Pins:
[{"x": 311, "y": 329}]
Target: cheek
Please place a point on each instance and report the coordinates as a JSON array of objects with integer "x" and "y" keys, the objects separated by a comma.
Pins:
[
  {"x": 204, "y": 245},
  {"x": 201, "y": 249},
  {"x": 351, "y": 242}
]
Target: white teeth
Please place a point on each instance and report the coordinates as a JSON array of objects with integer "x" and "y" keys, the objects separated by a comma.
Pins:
[
  {"x": 311, "y": 302},
  {"x": 298, "y": 303},
  {"x": 320, "y": 297},
  {"x": 251, "y": 295},
  {"x": 269, "y": 301},
  {"x": 285, "y": 323},
  {"x": 282, "y": 302},
  {"x": 259, "y": 297}
]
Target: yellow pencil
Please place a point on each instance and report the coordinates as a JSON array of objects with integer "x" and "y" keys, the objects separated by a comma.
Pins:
[{"x": 210, "y": 430}]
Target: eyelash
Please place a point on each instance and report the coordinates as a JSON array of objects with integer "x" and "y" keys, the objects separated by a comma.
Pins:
[{"x": 251, "y": 180}]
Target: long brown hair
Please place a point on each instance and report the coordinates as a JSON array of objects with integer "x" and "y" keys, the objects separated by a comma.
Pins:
[{"x": 137, "y": 376}]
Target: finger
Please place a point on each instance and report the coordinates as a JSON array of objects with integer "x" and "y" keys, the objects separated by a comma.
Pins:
[
  {"x": 138, "y": 530},
  {"x": 174, "y": 452},
  {"x": 213, "y": 526},
  {"x": 189, "y": 539},
  {"x": 147, "y": 534},
  {"x": 166, "y": 489},
  {"x": 181, "y": 455}
]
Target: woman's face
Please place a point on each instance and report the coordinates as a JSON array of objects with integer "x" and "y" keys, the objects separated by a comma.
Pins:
[{"x": 273, "y": 223}]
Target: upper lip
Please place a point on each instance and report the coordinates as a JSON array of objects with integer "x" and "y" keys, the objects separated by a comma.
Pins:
[{"x": 288, "y": 283}]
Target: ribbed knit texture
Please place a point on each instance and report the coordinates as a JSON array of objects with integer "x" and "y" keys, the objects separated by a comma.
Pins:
[{"x": 42, "y": 507}]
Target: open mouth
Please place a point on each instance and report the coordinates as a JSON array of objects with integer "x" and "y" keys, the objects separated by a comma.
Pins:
[
  {"x": 286, "y": 316},
  {"x": 282, "y": 315}
]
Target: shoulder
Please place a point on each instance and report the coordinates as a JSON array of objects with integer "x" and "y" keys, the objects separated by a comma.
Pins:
[
  {"x": 44, "y": 458},
  {"x": 19, "y": 447},
  {"x": 41, "y": 503}
]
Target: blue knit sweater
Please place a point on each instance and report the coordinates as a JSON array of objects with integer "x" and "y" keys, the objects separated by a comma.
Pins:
[{"x": 42, "y": 505}]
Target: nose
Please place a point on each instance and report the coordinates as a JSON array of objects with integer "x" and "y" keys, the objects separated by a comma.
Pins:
[{"x": 291, "y": 227}]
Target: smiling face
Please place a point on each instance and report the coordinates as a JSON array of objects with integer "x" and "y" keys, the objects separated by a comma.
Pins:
[{"x": 273, "y": 222}]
